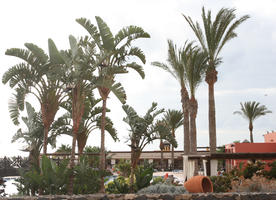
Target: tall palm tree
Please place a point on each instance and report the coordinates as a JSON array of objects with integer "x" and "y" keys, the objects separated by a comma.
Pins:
[
  {"x": 216, "y": 34},
  {"x": 194, "y": 73},
  {"x": 252, "y": 110},
  {"x": 173, "y": 119},
  {"x": 33, "y": 76},
  {"x": 144, "y": 130},
  {"x": 177, "y": 59},
  {"x": 76, "y": 71},
  {"x": 112, "y": 59}
]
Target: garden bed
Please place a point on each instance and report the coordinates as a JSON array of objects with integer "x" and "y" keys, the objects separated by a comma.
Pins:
[{"x": 199, "y": 196}]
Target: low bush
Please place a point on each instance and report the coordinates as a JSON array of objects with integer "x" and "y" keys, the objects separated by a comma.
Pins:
[
  {"x": 163, "y": 188},
  {"x": 51, "y": 178},
  {"x": 120, "y": 185},
  {"x": 255, "y": 184},
  {"x": 221, "y": 183}
]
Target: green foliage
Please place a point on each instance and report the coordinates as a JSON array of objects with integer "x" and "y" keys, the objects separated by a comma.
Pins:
[
  {"x": 157, "y": 180},
  {"x": 53, "y": 179},
  {"x": 87, "y": 180},
  {"x": 163, "y": 188},
  {"x": 221, "y": 183},
  {"x": 50, "y": 179},
  {"x": 143, "y": 175},
  {"x": 64, "y": 148},
  {"x": 119, "y": 185},
  {"x": 253, "y": 168},
  {"x": 272, "y": 172},
  {"x": 124, "y": 167}
]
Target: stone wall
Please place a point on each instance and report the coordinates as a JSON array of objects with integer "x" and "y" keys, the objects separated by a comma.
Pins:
[{"x": 210, "y": 196}]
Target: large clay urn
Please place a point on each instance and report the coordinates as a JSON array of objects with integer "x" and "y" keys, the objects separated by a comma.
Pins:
[{"x": 199, "y": 184}]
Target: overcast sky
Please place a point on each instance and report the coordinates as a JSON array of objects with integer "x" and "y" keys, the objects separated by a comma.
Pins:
[{"x": 247, "y": 73}]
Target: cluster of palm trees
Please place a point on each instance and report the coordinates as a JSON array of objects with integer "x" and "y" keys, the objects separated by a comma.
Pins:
[
  {"x": 190, "y": 64},
  {"x": 68, "y": 78}
]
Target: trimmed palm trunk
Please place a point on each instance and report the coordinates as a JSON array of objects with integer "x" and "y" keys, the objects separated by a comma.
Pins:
[
  {"x": 104, "y": 92},
  {"x": 102, "y": 152},
  {"x": 251, "y": 131},
  {"x": 77, "y": 113},
  {"x": 211, "y": 78},
  {"x": 185, "y": 107},
  {"x": 162, "y": 154},
  {"x": 193, "y": 114},
  {"x": 193, "y": 135},
  {"x": 172, "y": 156},
  {"x": 135, "y": 155}
]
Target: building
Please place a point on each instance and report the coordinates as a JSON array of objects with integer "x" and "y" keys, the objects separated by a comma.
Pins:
[{"x": 269, "y": 146}]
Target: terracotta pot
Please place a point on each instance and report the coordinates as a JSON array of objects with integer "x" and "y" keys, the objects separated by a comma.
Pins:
[{"x": 199, "y": 184}]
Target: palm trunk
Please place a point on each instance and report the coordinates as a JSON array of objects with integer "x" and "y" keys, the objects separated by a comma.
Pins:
[
  {"x": 102, "y": 153},
  {"x": 135, "y": 155},
  {"x": 77, "y": 112},
  {"x": 251, "y": 131},
  {"x": 185, "y": 103},
  {"x": 193, "y": 114},
  {"x": 72, "y": 164},
  {"x": 162, "y": 160},
  {"x": 162, "y": 154},
  {"x": 45, "y": 142},
  {"x": 211, "y": 78},
  {"x": 172, "y": 156}
]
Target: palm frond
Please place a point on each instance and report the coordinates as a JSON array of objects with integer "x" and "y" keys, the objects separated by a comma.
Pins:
[
  {"x": 138, "y": 68},
  {"x": 54, "y": 54},
  {"x": 91, "y": 29},
  {"x": 38, "y": 52},
  {"x": 131, "y": 33},
  {"x": 119, "y": 92},
  {"x": 137, "y": 52},
  {"x": 106, "y": 35}
]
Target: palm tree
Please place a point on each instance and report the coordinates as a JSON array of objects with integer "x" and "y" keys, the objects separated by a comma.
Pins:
[
  {"x": 216, "y": 34},
  {"x": 34, "y": 76},
  {"x": 76, "y": 72},
  {"x": 112, "y": 55},
  {"x": 33, "y": 136},
  {"x": 194, "y": 73},
  {"x": 177, "y": 60},
  {"x": 252, "y": 110},
  {"x": 144, "y": 130},
  {"x": 173, "y": 119}
]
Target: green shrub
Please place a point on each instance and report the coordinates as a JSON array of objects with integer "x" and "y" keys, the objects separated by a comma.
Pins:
[
  {"x": 221, "y": 183},
  {"x": 163, "y": 188},
  {"x": 120, "y": 185},
  {"x": 253, "y": 168},
  {"x": 143, "y": 176},
  {"x": 86, "y": 180},
  {"x": 124, "y": 167},
  {"x": 272, "y": 172},
  {"x": 158, "y": 179},
  {"x": 51, "y": 178}
]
